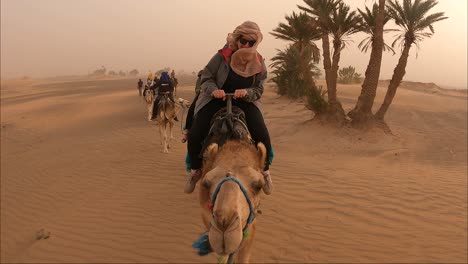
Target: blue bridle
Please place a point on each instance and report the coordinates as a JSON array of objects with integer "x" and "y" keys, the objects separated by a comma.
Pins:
[
  {"x": 251, "y": 208},
  {"x": 202, "y": 245},
  {"x": 244, "y": 191}
]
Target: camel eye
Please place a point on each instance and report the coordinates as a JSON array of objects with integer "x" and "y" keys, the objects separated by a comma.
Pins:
[
  {"x": 257, "y": 185},
  {"x": 206, "y": 184}
]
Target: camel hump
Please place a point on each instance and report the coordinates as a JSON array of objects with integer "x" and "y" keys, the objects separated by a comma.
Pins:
[{"x": 225, "y": 126}]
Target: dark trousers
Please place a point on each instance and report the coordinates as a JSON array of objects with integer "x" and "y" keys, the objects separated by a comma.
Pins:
[
  {"x": 191, "y": 111},
  {"x": 201, "y": 127}
]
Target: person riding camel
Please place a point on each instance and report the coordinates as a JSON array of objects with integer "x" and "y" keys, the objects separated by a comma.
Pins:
[
  {"x": 149, "y": 81},
  {"x": 162, "y": 87},
  {"x": 239, "y": 69}
]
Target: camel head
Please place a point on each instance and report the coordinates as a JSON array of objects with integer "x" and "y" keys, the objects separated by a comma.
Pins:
[
  {"x": 228, "y": 216},
  {"x": 149, "y": 97},
  {"x": 184, "y": 103}
]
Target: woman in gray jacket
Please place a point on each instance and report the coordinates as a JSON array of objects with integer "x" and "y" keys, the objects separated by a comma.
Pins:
[{"x": 238, "y": 69}]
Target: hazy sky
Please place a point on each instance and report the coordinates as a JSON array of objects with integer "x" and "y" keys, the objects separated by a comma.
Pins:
[{"x": 66, "y": 37}]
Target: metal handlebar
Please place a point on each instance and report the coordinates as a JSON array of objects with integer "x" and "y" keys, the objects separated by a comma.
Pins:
[{"x": 229, "y": 102}]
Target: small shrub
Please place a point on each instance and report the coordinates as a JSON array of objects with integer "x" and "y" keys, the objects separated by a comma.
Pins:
[{"x": 348, "y": 75}]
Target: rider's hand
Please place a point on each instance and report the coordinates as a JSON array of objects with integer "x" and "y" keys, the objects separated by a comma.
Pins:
[
  {"x": 240, "y": 93},
  {"x": 220, "y": 94}
]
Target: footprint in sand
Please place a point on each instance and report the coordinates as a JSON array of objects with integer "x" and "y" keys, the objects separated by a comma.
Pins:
[{"x": 42, "y": 234}]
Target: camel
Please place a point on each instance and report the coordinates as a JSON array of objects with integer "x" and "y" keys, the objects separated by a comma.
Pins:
[
  {"x": 149, "y": 99},
  {"x": 229, "y": 193},
  {"x": 167, "y": 112}
]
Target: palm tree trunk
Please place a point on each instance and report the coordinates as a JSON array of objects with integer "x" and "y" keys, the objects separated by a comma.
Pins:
[
  {"x": 362, "y": 113},
  {"x": 398, "y": 74},
  {"x": 332, "y": 98},
  {"x": 335, "y": 112},
  {"x": 326, "y": 60}
]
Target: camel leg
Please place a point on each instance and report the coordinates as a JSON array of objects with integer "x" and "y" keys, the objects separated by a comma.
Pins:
[
  {"x": 161, "y": 135},
  {"x": 165, "y": 139},
  {"x": 169, "y": 134},
  {"x": 171, "y": 125},
  {"x": 150, "y": 112}
]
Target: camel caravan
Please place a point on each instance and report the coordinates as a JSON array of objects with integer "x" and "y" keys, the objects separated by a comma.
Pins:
[{"x": 161, "y": 106}]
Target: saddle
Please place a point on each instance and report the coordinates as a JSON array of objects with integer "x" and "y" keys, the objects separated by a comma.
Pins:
[
  {"x": 164, "y": 100},
  {"x": 225, "y": 126}
]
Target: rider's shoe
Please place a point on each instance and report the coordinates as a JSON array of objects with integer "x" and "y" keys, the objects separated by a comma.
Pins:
[
  {"x": 268, "y": 187},
  {"x": 192, "y": 180}
]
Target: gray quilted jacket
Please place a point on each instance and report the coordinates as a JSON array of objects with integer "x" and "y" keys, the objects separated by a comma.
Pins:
[{"x": 215, "y": 74}]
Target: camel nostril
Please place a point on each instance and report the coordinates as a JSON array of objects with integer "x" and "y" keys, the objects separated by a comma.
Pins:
[{"x": 223, "y": 222}]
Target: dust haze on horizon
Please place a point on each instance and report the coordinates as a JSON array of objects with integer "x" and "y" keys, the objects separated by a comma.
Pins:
[{"x": 42, "y": 38}]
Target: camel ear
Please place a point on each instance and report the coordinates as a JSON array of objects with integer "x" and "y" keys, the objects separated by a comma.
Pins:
[
  {"x": 211, "y": 151},
  {"x": 262, "y": 154}
]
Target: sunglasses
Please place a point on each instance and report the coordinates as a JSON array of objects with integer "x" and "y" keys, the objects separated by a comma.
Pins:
[{"x": 243, "y": 41}]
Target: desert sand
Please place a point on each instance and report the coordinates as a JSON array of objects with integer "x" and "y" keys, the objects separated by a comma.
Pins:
[{"x": 80, "y": 162}]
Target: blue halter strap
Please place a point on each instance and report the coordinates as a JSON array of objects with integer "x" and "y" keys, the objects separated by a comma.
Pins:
[
  {"x": 202, "y": 244},
  {"x": 251, "y": 208},
  {"x": 244, "y": 191}
]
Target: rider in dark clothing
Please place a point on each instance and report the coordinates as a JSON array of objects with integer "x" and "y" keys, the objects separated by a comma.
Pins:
[{"x": 163, "y": 86}]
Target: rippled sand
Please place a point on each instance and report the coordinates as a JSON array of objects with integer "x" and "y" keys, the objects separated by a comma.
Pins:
[{"x": 79, "y": 160}]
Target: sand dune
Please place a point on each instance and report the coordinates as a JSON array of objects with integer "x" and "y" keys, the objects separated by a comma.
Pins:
[{"x": 79, "y": 160}]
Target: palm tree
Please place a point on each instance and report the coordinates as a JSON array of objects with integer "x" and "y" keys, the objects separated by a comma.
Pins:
[
  {"x": 298, "y": 30},
  {"x": 333, "y": 18},
  {"x": 343, "y": 24},
  {"x": 294, "y": 71},
  {"x": 320, "y": 11},
  {"x": 369, "y": 18},
  {"x": 361, "y": 115},
  {"x": 414, "y": 22},
  {"x": 282, "y": 69},
  {"x": 294, "y": 68}
]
